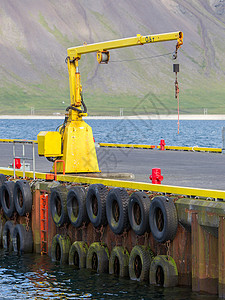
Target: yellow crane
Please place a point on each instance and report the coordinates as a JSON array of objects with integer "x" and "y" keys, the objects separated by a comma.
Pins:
[{"x": 72, "y": 147}]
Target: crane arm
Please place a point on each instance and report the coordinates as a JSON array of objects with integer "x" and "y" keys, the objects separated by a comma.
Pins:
[{"x": 76, "y": 52}]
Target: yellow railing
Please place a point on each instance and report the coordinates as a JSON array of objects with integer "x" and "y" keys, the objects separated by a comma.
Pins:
[{"x": 159, "y": 188}]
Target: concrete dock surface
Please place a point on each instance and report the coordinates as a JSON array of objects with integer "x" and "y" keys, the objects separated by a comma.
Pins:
[{"x": 179, "y": 168}]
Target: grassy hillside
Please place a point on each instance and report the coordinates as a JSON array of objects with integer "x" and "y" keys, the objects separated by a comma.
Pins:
[{"x": 34, "y": 36}]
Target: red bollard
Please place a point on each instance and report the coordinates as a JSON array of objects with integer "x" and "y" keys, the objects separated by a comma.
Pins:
[
  {"x": 162, "y": 144},
  {"x": 156, "y": 176}
]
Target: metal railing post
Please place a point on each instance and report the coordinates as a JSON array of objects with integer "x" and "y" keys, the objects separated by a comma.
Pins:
[
  {"x": 23, "y": 161},
  {"x": 33, "y": 160},
  {"x": 56, "y": 161},
  {"x": 14, "y": 161},
  {"x": 223, "y": 139}
]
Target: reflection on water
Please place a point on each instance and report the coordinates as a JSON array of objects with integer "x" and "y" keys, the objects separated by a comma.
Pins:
[{"x": 36, "y": 277}]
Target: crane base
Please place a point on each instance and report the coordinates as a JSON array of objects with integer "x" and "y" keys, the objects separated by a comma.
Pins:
[{"x": 79, "y": 154}]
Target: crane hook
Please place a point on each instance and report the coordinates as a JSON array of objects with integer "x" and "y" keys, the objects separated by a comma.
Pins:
[{"x": 174, "y": 55}]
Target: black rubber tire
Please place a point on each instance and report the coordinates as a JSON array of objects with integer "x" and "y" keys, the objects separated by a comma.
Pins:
[
  {"x": 162, "y": 208},
  {"x": 96, "y": 204},
  {"x": 163, "y": 271},
  {"x": 98, "y": 258},
  {"x": 22, "y": 197},
  {"x": 119, "y": 262},
  {"x": 76, "y": 206},
  {"x": 1, "y": 230},
  {"x": 138, "y": 212},
  {"x": 22, "y": 239},
  {"x": 2, "y": 179},
  {"x": 78, "y": 254},
  {"x": 117, "y": 199},
  {"x": 6, "y": 192},
  {"x": 60, "y": 249},
  {"x": 7, "y": 236},
  {"x": 139, "y": 263},
  {"x": 58, "y": 206}
]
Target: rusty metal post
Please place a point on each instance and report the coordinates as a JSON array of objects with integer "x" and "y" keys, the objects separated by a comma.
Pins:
[
  {"x": 181, "y": 252},
  {"x": 51, "y": 228},
  {"x": 221, "y": 255},
  {"x": 204, "y": 258},
  {"x": 44, "y": 223},
  {"x": 36, "y": 221}
]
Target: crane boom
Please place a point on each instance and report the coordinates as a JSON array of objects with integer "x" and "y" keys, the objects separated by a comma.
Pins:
[{"x": 76, "y": 52}]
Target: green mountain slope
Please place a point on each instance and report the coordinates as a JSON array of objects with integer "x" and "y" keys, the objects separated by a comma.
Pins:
[{"x": 34, "y": 37}]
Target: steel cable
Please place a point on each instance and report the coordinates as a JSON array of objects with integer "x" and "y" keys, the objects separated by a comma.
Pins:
[{"x": 141, "y": 58}]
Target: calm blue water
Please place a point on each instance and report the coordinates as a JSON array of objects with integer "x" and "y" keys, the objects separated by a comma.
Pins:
[
  {"x": 192, "y": 133},
  {"x": 36, "y": 277}
]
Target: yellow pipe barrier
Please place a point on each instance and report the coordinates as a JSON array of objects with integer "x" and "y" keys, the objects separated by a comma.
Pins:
[
  {"x": 195, "y": 148},
  {"x": 159, "y": 188},
  {"x": 17, "y": 140},
  {"x": 126, "y": 146}
]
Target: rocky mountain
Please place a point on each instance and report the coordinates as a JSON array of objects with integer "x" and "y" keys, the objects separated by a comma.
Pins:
[{"x": 35, "y": 34}]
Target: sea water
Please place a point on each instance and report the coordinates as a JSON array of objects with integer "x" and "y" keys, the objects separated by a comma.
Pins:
[
  {"x": 33, "y": 276},
  {"x": 149, "y": 132}
]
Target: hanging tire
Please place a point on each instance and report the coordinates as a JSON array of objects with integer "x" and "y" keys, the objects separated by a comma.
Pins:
[
  {"x": 76, "y": 206},
  {"x": 1, "y": 230},
  {"x": 117, "y": 210},
  {"x": 22, "y": 239},
  {"x": 119, "y": 262},
  {"x": 96, "y": 204},
  {"x": 98, "y": 258},
  {"x": 138, "y": 212},
  {"x": 7, "y": 236},
  {"x": 60, "y": 249},
  {"x": 22, "y": 196},
  {"x": 163, "y": 271},
  {"x": 2, "y": 179},
  {"x": 163, "y": 219},
  {"x": 139, "y": 263},
  {"x": 78, "y": 254},
  {"x": 7, "y": 198},
  {"x": 58, "y": 206}
]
